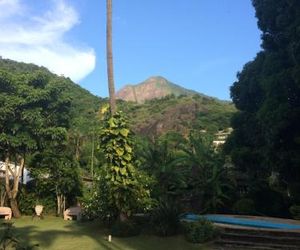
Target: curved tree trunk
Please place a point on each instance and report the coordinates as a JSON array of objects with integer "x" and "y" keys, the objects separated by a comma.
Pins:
[
  {"x": 13, "y": 191},
  {"x": 14, "y": 207},
  {"x": 109, "y": 54}
]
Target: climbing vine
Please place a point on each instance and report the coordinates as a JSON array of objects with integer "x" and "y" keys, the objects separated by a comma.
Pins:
[{"x": 128, "y": 186}]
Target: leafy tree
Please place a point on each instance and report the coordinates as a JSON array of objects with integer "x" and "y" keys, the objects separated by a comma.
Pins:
[
  {"x": 127, "y": 185},
  {"x": 57, "y": 169},
  {"x": 266, "y": 129},
  {"x": 81, "y": 135},
  {"x": 34, "y": 109}
]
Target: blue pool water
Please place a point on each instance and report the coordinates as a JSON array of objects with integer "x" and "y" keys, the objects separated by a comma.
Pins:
[{"x": 241, "y": 221}]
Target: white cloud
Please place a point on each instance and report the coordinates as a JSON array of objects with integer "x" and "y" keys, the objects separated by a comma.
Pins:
[{"x": 39, "y": 38}]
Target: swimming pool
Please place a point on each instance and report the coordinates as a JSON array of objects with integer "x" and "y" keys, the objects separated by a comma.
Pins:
[{"x": 242, "y": 221}]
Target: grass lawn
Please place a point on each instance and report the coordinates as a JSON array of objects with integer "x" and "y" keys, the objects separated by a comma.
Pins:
[{"x": 55, "y": 233}]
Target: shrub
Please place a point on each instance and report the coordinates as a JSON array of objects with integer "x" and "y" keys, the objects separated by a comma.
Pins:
[
  {"x": 124, "y": 229},
  {"x": 244, "y": 206},
  {"x": 199, "y": 231},
  {"x": 96, "y": 201},
  {"x": 91, "y": 208},
  {"x": 295, "y": 211},
  {"x": 28, "y": 200},
  {"x": 165, "y": 219},
  {"x": 97, "y": 206}
]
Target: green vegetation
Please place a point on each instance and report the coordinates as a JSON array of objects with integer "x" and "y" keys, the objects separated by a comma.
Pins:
[
  {"x": 82, "y": 106},
  {"x": 265, "y": 143},
  {"x": 55, "y": 233},
  {"x": 200, "y": 231},
  {"x": 9, "y": 240},
  {"x": 127, "y": 186},
  {"x": 165, "y": 218},
  {"x": 126, "y": 176},
  {"x": 34, "y": 110},
  {"x": 178, "y": 114},
  {"x": 139, "y": 172}
]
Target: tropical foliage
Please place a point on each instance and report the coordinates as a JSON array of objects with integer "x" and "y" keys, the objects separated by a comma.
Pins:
[
  {"x": 127, "y": 185},
  {"x": 199, "y": 231},
  {"x": 165, "y": 218}
]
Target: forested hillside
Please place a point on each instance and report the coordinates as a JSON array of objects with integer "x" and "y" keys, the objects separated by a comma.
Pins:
[
  {"x": 83, "y": 107},
  {"x": 179, "y": 114},
  {"x": 84, "y": 104},
  {"x": 152, "y": 118}
]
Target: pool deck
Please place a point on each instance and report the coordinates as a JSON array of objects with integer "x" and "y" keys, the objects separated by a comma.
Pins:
[
  {"x": 247, "y": 237},
  {"x": 271, "y": 219}
]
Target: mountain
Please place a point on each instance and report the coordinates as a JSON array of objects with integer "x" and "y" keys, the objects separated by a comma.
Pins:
[
  {"x": 181, "y": 112},
  {"x": 153, "y": 88},
  {"x": 157, "y": 106}
]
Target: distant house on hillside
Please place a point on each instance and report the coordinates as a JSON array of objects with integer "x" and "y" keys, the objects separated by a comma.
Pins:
[
  {"x": 221, "y": 136},
  {"x": 26, "y": 177}
]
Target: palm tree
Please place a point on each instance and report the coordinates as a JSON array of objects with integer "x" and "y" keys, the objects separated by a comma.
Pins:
[
  {"x": 110, "y": 70},
  {"x": 160, "y": 159},
  {"x": 216, "y": 186},
  {"x": 207, "y": 174}
]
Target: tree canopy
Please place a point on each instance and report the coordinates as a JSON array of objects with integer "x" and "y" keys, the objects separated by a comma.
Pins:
[
  {"x": 33, "y": 107},
  {"x": 266, "y": 135},
  {"x": 34, "y": 110}
]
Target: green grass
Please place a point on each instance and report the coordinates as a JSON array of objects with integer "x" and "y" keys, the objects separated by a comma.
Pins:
[{"x": 55, "y": 233}]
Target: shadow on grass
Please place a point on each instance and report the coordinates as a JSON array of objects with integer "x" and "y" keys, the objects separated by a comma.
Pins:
[
  {"x": 55, "y": 233},
  {"x": 67, "y": 235}
]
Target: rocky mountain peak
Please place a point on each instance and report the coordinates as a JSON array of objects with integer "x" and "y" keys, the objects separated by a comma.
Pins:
[{"x": 153, "y": 87}]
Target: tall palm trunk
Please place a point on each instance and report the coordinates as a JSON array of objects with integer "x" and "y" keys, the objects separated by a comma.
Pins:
[{"x": 110, "y": 69}]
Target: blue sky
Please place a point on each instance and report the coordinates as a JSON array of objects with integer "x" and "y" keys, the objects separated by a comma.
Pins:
[{"x": 198, "y": 44}]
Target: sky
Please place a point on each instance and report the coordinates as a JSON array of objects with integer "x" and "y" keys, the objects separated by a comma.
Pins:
[{"x": 198, "y": 44}]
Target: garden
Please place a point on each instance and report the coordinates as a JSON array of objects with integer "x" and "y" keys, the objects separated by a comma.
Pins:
[{"x": 76, "y": 173}]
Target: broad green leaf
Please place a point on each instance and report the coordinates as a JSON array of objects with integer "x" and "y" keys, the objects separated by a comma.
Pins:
[
  {"x": 127, "y": 157},
  {"x": 128, "y": 148},
  {"x": 120, "y": 151},
  {"x": 124, "y": 132}
]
